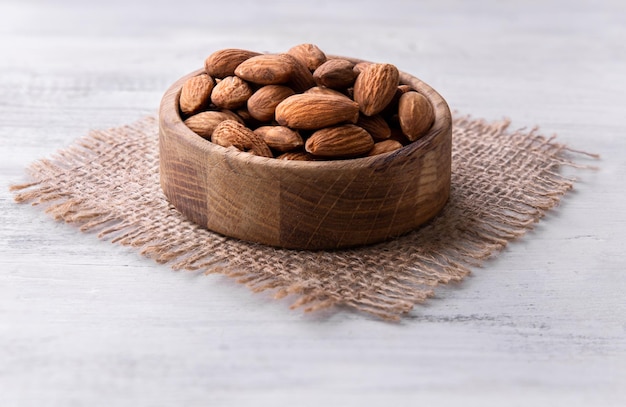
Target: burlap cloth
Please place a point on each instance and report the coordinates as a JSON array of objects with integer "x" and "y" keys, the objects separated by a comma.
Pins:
[{"x": 502, "y": 183}]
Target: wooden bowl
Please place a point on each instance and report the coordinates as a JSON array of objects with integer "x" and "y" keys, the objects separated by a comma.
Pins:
[{"x": 305, "y": 204}]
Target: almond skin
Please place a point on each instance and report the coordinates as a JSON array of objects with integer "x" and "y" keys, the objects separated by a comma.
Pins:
[
  {"x": 266, "y": 69},
  {"x": 244, "y": 114},
  {"x": 359, "y": 66},
  {"x": 398, "y": 135},
  {"x": 303, "y": 105},
  {"x": 390, "y": 112},
  {"x": 230, "y": 93},
  {"x": 375, "y": 87},
  {"x": 402, "y": 89},
  {"x": 296, "y": 156},
  {"x": 385, "y": 146},
  {"x": 313, "y": 111},
  {"x": 262, "y": 104},
  {"x": 335, "y": 74},
  {"x": 232, "y": 115},
  {"x": 222, "y": 63},
  {"x": 416, "y": 115},
  {"x": 195, "y": 94},
  {"x": 340, "y": 141},
  {"x": 280, "y": 138},
  {"x": 247, "y": 118},
  {"x": 204, "y": 123},
  {"x": 376, "y": 126},
  {"x": 301, "y": 78},
  {"x": 309, "y": 54},
  {"x": 322, "y": 90},
  {"x": 231, "y": 133}
]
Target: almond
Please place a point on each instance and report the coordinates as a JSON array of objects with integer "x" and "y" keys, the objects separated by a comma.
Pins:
[
  {"x": 280, "y": 138},
  {"x": 266, "y": 69},
  {"x": 301, "y": 78},
  {"x": 335, "y": 73},
  {"x": 244, "y": 114},
  {"x": 303, "y": 105},
  {"x": 340, "y": 141},
  {"x": 222, "y": 63},
  {"x": 231, "y": 133},
  {"x": 415, "y": 114},
  {"x": 296, "y": 156},
  {"x": 309, "y": 54},
  {"x": 204, "y": 123},
  {"x": 262, "y": 104},
  {"x": 312, "y": 111},
  {"x": 390, "y": 112},
  {"x": 321, "y": 90},
  {"x": 385, "y": 146},
  {"x": 230, "y": 93},
  {"x": 247, "y": 118},
  {"x": 375, "y": 87},
  {"x": 359, "y": 66},
  {"x": 398, "y": 135},
  {"x": 195, "y": 94},
  {"x": 402, "y": 89},
  {"x": 375, "y": 125},
  {"x": 232, "y": 115}
]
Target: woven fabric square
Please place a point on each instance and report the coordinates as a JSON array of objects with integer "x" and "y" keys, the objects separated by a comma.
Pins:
[{"x": 503, "y": 182}]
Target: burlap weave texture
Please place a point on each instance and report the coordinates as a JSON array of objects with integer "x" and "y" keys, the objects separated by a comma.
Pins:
[{"x": 502, "y": 183}]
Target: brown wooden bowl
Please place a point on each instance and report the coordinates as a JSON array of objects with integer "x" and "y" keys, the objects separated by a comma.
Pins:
[{"x": 305, "y": 204}]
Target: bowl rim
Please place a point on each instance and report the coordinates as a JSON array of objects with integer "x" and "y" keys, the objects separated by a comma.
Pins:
[{"x": 169, "y": 116}]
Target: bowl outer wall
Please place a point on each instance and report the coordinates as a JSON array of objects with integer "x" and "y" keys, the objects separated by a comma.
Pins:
[{"x": 305, "y": 204}]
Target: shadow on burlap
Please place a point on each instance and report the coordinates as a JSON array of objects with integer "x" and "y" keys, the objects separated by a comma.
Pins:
[{"x": 502, "y": 183}]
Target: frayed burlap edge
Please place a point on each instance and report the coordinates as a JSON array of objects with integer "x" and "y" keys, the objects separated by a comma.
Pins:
[{"x": 503, "y": 183}]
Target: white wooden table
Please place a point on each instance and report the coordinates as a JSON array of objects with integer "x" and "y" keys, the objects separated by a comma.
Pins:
[{"x": 87, "y": 323}]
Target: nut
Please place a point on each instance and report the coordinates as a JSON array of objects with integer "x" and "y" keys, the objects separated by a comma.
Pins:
[
  {"x": 280, "y": 138},
  {"x": 309, "y": 54},
  {"x": 301, "y": 100},
  {"x": 340, "y": 141},
  {"x": 231, "y": 133},
  {"x": 313, "y": 111},
  {"x": 296, "y": 156},
  {"x": 335, "y": 74},
  {"x": 384, "y": 146},
  {"x": 195, "y": 94},
  {"x": 358, "y": 67},
  {"x": 398, "y": 135},
  {"x": 301, "y": 78},
  {"x": 262, "y": 104},
  {"x": 266, "y": 69},
  {"x": 415, "y": 114},
  {"x": 222, "y": 63},
  {"x": 375, "y": 125},
  {"x": 230, "y": 93},
  {"x": 375, "y": 87},
  {"x": 204, "y": 123},
  {"x": 402, "y": 89},
  {"x": 319, "y": 90}
]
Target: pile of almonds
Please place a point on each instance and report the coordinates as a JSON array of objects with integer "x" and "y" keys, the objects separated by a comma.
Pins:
[{"x": 301, "y": 105}]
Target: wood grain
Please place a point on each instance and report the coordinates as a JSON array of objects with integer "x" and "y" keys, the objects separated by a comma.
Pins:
[{"x": 305, "y": 205}]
